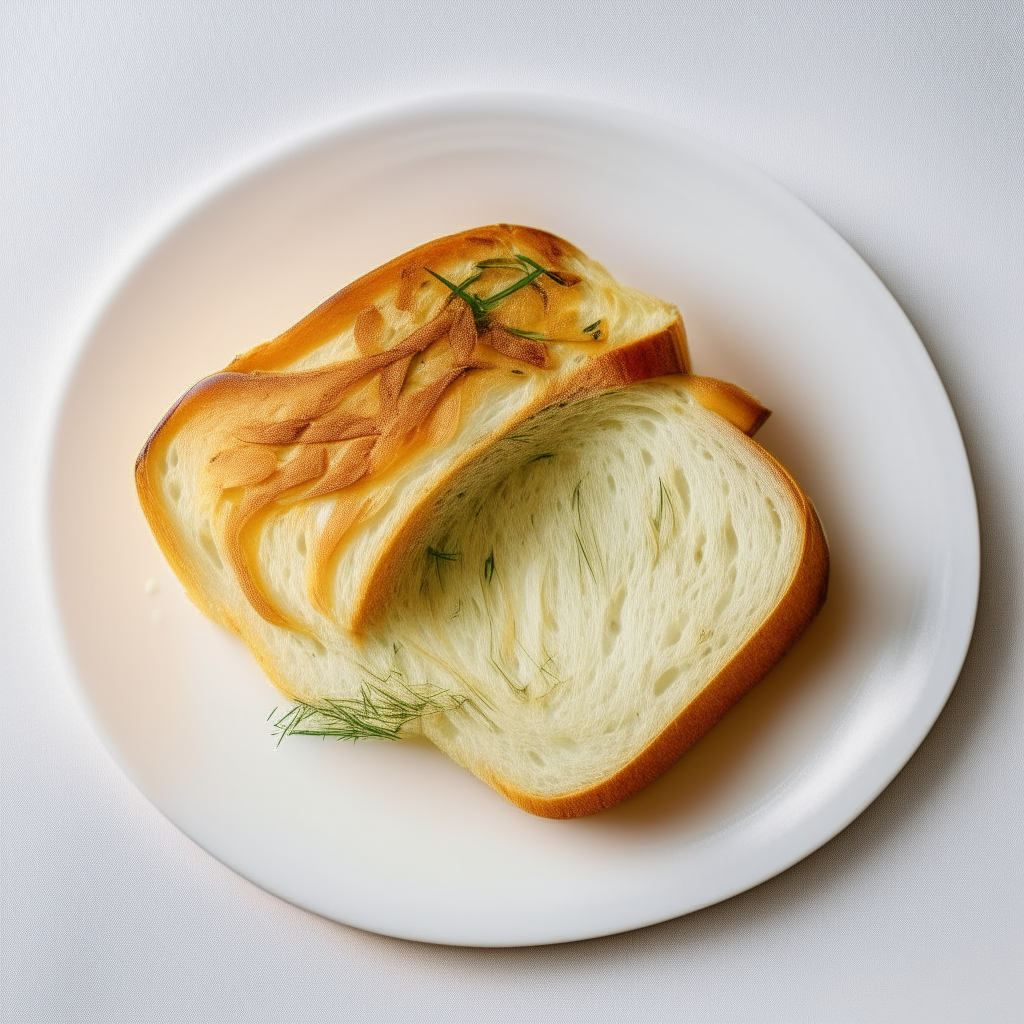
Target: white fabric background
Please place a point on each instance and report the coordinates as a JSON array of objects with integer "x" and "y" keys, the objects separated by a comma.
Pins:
[{"x": 900, "y": 123}]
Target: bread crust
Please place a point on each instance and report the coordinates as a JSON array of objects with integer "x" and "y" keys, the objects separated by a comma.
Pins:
[{"x": 793, "y": 613}]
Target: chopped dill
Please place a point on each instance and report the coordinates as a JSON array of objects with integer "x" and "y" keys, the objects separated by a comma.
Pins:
[
  {"x": 383, "y": 680},
  {"x": 489, "y": 566},
  {"x": 483, "y": 307},
  {"x": 530, "y": 335},
  {"x": 543, "y": 455},
  {"x": 594, "y": 330},
  {"x": 376, "y": 714},
  {"x": 663, "y": 500},
  {"x": 581, "y": 549},
  {"x": 441, "y": 556},
  {"x": 445, "y": 556},
  {"x": 541, "y": 668}
]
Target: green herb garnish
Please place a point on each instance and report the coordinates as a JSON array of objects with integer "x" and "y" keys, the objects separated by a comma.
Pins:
[
  {"x": 376, "y": 714},
  {"x": 439, "y": 557},
  {"x": 581, "y": 548},
  {"x": 530, "y": 335},
  {"x": 483, "y": 307}
]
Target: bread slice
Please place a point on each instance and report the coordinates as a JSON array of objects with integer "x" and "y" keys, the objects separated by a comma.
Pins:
[
  {"x": 521, "y": 529},
  {"x": 322, "y": 442},
  {"x": 602, "y": 586}
]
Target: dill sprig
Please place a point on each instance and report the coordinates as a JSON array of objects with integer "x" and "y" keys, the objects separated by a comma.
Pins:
[
  {"x": 656, "y": 520},
  {"x": 437, "y": 557},
  {"x": 581, "y": 548},
  {"x": 530, "y": 335},
  {"x": 375, "y": 714},
  {"x": 483, "y": 307},
  {"x": 663, "y": 500}
]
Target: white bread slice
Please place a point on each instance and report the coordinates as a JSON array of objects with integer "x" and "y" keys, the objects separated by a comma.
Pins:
[
  {"x": 615, "y": 575},
  {"x": 562, "y": 582},
  {"x": 273, "y": 485}
]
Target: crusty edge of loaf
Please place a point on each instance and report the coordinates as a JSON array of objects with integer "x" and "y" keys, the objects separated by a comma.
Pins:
[
  {"x": 794, "y": 612},
  {"x": 335, "y": 314}
]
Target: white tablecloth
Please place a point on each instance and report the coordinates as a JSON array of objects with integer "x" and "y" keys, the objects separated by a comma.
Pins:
[{"x": 900, "y": 123}]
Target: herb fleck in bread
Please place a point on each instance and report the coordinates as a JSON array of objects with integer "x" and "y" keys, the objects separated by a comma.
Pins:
[{"x": 477, "y": 494}]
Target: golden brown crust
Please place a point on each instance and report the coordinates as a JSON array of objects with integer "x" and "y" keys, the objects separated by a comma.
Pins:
[
  {"x": 739, "y": 407},
  {"x": 790, "y": 617},
  {"x": 339, "y": 312}
]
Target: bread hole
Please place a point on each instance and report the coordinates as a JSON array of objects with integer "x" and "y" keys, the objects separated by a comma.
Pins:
[
  {"x": 564, "y": 743},
  {"x": 665, "y": 680},
  {"x": 610, "y": 424},
  {"x": 732, "y": 545},
  {"x": 773, "y": 513},
  {"x": 705, "y": 454},
  {"x": 647, "y": 457},
  {"x": 206, "y": 540},
  {"x": 174, "y": 491},
  {"x": 612, "y": 621},
  {"x": 172, "y": 456},
  {"x": 648, "y": 427},
  {"x": 723, "y": 601},
  {"x": 611, "y": 483},
  {"x": 300, "y": 544},
  {"x": 535, "y": 757},
  {"x": 673, "y": 634},
  {"x": 314, "y": 647},
  {"x": 683, "y": 490}
]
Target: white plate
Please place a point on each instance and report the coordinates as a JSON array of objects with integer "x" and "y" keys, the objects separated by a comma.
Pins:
[{"x": 393, "y": 837}]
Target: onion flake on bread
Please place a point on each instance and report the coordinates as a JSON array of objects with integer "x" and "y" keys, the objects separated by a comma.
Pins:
[{"x": 477, "y": 495}]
